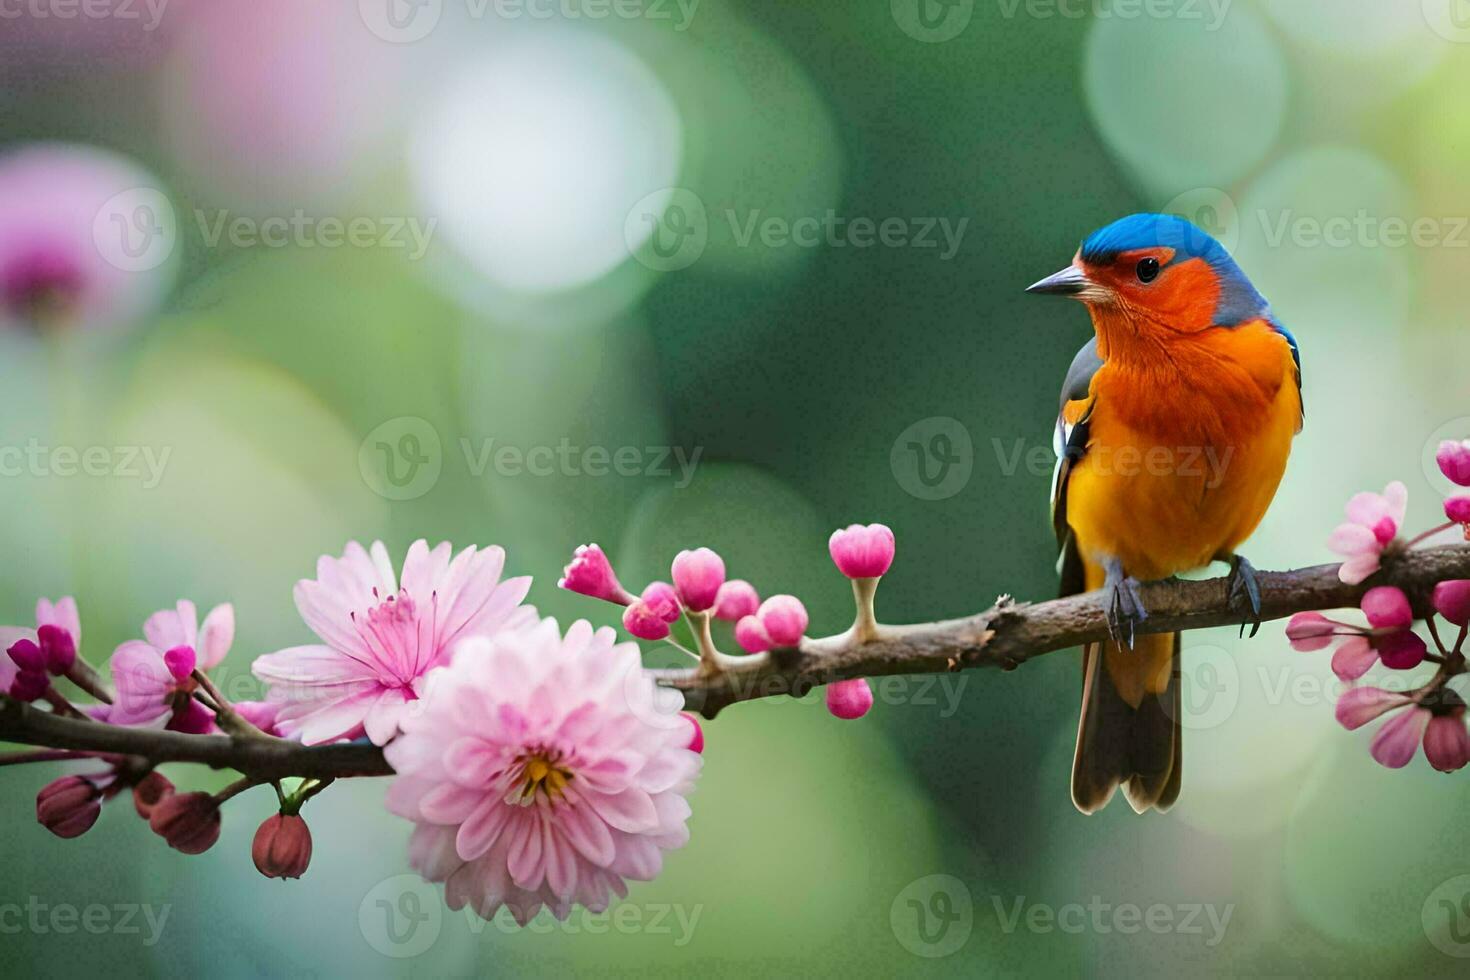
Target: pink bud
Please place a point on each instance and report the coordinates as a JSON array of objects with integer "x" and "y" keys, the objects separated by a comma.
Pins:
[
  {"x": 591, "y": 574},
  {"x": 1447, "y": 741},
  {"x": 1454, "y": 461},
  {"x": 661, "y": 599},
  {"x": 191, "y": 719},
  {"x": 282, "y": 847},
  {"x": 698, "y": 575},
  {"x": 1457, "y": 509},
  {"x": 29, "y": 685},
  {"x": 180, "y": 662},
  {"x": 849, "y": 699},
  {"x": 58, "y": 646},
  {"x": 642, "y": 621},
  {"x": 1452, "y": 599},
  {"x": 1360, "y": 705},
  {"x": 752, "y": 636},
  {"x": 69, "y": 806},
  {"x": 28, "y": 656},
  {"x": 1387, "y": 608},
  {"x": 862, "y": 552},
  {"x": 1403, "y": 650},
  {"x": 149, "y": 791},
  {"x": 785, "y": 620},
  {"x": 189, "y": 822},
  {"x": 696, "y": 740},
  {"x": 1310, "y": 631},
  {"x": 736, "y": 600}
]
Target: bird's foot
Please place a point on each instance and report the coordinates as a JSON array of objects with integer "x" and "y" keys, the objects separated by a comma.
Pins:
[
  {"x": 1245, "y": 594},
  {"x": 1122, "y": 604}
]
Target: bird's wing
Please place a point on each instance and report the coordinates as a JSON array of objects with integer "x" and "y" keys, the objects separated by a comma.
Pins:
[{"x": 1070, "y": 443}]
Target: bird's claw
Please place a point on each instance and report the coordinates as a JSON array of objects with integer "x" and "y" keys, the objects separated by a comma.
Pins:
[
  {"x": 1245, "y": 594},
  {"x": 1123, "y": 607}
]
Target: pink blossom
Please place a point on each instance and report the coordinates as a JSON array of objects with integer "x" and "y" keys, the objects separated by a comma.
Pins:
[
  {"x": 154, "y": 677},
  {"x": 737, "y": 599},
  {"x": 261, "y": 714},
  {"x": 282, "y": 846},
  {"x": 189, "y": 822},
  {"x": 862, "y": 552},
  {"x": 543, "y": 771},
  {"x": 1360, "y": 705},
  {"x": 69, "y": 806},
  {"x": 1311, "y": 631},
  {"x": 382, "y": 637},
  {"x": 1457, "y": 509},
  {"x": 785, "y": 620},
  {"x": 1388, "y": 637},
  {"x": 644, "y": 622},
  {"x": 662, "y": 601},
  {"x": 1373, "y": 523},
  {"x": 1452, "y": 600},
  {"x": 1391, "y": 617},
  {"x": 1396, "y": 742},
  {"x": 1447, "y": 740},
  {"x": 849, "y": 700},
  {"x": 698, "y": 575},
  {"x": 49, "y": 648},
  {"x": 696, "y": 738},
  {"x": 591, "y": 574},
  {"x": 1454, "y": 461},
  {"x": 752, "y": 636}
]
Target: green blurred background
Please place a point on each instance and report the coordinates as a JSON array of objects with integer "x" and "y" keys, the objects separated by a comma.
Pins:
[{"x": 539, "y": 153}]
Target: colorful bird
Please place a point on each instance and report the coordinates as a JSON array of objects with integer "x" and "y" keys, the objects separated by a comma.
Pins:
[{"x": 1176, "y": 422}]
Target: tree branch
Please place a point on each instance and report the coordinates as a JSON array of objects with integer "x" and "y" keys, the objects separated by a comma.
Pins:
[{"x": 1006, "y": 635}]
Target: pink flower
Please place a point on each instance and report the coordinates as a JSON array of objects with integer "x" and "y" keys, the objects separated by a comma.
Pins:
[
  {"x": 784, "y": 619},
  {"x": 1373, "y": 522},
  {"x": 154, "y": 678},
  {"x": 696, "y": 738},
  {"x": 591, "y": 574},
  {"x": 50, "y": 648},
  {"x": 543, "y": 771},
  {"x": 189, "y": 822},
  {"x": 1447, "y": 740},
  {"x": 282, "y": 846},
  {"x": 1360, "y": 705},
  {"x": 849, "y": 699},
  {"x": 862, "y": 552},
  {"x": 382, "y": 637},
  {"x": 69, "y": 806},
  {"x": 1452, "y": 600},
  {"x": 1454, "y": 461},
  {"x": 1457, "y": 509},
  {"x": 737, "y": 599},
  {"x": 698, "y": 575},
  {"x": 644, "y": 622},
  {"x": 1389, "y": 637},
  {"x": 662, "y": 601},
  {"x": 752, "y": 636},
  {"x": 261, "y": 714},
  {"x": 1396, "y": 742},
  {"x": 61, "y": 262}
]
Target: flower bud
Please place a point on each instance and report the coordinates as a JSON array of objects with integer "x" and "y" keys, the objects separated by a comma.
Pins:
[
  {"x": 1387, "y": 608},
  {"x": 1457, "y": 509},
  {"x": 785, "y": 620},
  {"x": 696, "y": 739},
  {"x": 752, "y": 636},
  {"x": 282, "y": 847},
  {"x": 58, "y": 646},
  {"x": 1403, "y": 650},
  {"x": 736, "y": 599},
  {"x": 69, "y": 806},
  {"x": 862, "y": 552},
  {"x": 849, "y": 699},
  {"x": 189, "y": 822},
  {"x": 1454, "y": 461},
  {"x": 591, "y": 574},
  {"x": 180, "y": 662},
  {"x": 29, "y": 685},
  {"x": 698, "y": 575},
  {"x": 149, "y": 791},
  {"x": 662, "y": 601},
  {"x": 1452, "y": 599},
  {"x": 643, "y": 622},
  {"x": 28, "y": 656},
  {"x": 192, "y": 719},
  {"x": 1310, "y": 631}
]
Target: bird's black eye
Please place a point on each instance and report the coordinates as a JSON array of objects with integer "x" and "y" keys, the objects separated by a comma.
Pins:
[{"x": 1148, "y": 270}]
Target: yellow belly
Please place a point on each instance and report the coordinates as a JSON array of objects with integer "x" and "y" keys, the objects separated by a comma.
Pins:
[{"x": 1164, "y": 504}]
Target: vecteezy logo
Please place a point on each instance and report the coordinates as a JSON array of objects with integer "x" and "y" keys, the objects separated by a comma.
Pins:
[
  {"x": 1209, "y": 687},
  {"x": 1446, "y": 917},
  {"x": 401, "y": 459},
  {"x": 401, "y": 916},
  {"x": 933, "y": 917},
  {"x": 933, "y": 458},
  {"x": 667, "y": 230},
  {"x": 932, "y": 21},
  {"x": 401, "y": 21},
  {"x": 1213, "y": 212},
  {"x": 135, "y": 230}
]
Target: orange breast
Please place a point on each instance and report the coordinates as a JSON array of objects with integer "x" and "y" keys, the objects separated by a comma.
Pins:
[{"x": 1186, "y": 449}]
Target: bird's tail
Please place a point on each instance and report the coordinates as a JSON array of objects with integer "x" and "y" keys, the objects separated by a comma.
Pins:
[{"x": 1129, "y": 733}]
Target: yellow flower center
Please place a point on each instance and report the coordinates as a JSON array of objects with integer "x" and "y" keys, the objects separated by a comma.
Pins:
[{"x": 539, "y": 774}]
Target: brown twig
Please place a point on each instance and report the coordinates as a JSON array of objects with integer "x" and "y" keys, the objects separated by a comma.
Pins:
[{"x": 1006, "y": 635}]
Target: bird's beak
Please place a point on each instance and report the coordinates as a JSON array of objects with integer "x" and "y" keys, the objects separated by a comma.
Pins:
[{"x": 1071, "y": 281}]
